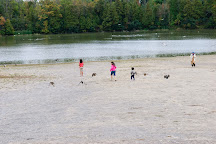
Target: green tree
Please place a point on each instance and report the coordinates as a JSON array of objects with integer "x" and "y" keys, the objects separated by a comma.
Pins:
[
  {"x": 119, "y": 10},
  {"x": 214, "y": 14},
  {"x": 193, "y": 13},
  {"x": 147, "y": 19},
  {"x": 1, "y": 8},
  {"x": 31, "y": 17},
  {"x": 50, "y": 16},
  {"x": 99, "y": 10},
  {"x": 67, "y": 16},
  {"x": 107, "y": 18},
  {"x": 208, "y": 12},
  {"x": 163, "y": 16},
  {"x": 135, "y": 11},
  {"x": 158, "y": 1},
  {"x": 188, "y": 13},
  {"x": 198, "y": 12},
  {"x": 111, "y": 18},
  {"x": 126, "y": 15},
  {"x": 179, "y": 20},
  {"x": 70, "y": 17},
  {"x": 174, "y": 11}
]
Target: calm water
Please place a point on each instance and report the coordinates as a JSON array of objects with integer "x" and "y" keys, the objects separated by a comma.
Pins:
[{"x": 103, "y": 46}]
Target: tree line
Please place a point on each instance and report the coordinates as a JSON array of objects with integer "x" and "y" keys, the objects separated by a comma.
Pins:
[{"x": 75, "y": 16}]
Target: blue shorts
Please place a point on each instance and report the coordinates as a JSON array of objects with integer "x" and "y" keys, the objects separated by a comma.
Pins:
[{"x": 113, "y": 73}]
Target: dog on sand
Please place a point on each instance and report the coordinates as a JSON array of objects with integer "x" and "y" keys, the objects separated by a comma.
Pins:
[
  {"x": 52, "y": 83},
  {"x": 94, "y": 74}
]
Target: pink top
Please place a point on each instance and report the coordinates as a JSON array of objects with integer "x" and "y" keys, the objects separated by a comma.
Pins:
[
  {"x": 81, "y": 64},
  {"x": 113, "y": 68}
]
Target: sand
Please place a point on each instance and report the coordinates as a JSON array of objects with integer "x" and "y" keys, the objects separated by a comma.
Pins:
[{"x": 151, "y": 109}]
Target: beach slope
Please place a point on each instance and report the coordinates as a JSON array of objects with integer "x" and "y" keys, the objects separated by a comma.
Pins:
[{"x": 151, "y": 109}]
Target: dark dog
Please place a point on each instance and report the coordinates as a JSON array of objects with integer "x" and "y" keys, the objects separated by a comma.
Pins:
[
  {"x": 166, "y": 76},
  {"x": 145, "y": 74},
  {"x": 52, "y": 83},
  {"x": 94, "y": 74}
]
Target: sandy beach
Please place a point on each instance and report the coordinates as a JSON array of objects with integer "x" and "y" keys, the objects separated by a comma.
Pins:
[{"x": 151, "y": 109}]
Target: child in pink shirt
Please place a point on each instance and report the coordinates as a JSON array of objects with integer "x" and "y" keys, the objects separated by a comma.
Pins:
[
  {"x": 81, "y": 67},
  {"x": 113, "y": 70}
]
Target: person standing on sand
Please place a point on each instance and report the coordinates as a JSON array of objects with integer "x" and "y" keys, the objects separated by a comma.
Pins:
[
  {"x": 133, "y": 73},
  {"x": 81, "y": 67},
  {"x": 193, "y": 56},
  {"x": 113, "y": 70}
]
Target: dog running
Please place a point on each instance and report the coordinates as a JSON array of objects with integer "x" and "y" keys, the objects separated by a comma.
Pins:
[{"x": 94, "y": 74}]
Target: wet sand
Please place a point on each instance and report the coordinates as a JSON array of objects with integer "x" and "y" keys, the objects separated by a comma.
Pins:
[{"x": 151, "y": 109}]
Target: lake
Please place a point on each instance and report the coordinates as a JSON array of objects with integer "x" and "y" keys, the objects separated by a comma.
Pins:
[{"x": 39, "y": 49}]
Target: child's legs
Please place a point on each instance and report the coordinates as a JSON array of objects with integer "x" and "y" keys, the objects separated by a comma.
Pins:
[
  {"x": 113, "y": 73},
  {"x": 192, "y": 62},
  {"x": 81, "y": 71}
]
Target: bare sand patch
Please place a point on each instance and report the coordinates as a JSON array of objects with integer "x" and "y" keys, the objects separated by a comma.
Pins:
[{"x": 151, "y": 109}]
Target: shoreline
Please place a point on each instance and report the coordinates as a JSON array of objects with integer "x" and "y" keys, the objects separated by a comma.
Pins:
[
  {"x": 124, "y": 31},
  {"x": 117, "y": 58}
]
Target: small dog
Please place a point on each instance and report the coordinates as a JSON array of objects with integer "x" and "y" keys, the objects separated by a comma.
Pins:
[
  {"x": 52, "y": 83},
  {"x": 166, "y": 76},
  {"x": 145, "y": 74},
  {"x": 94, "y": 74},
  {"x": 4, "y": 65}
]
